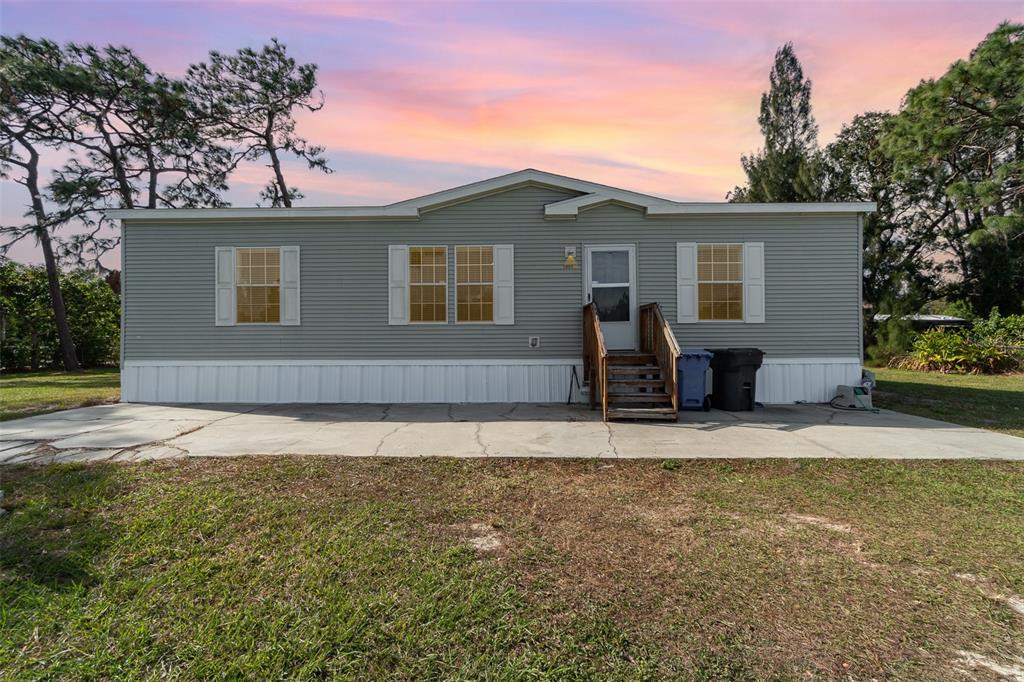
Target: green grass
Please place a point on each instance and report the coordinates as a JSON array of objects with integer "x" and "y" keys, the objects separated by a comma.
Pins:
[
  {"x": 23, "y": 394},
  {"x": 312, "y": 568},
  {"x": 994, "y": 402}
]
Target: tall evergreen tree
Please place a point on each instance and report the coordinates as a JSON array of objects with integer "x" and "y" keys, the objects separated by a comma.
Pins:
[
  {"x": 966, "y": 128},
  {"x": 784, "y": 170},
  {"x": 249, "y": 99},
  {"x": 33, "y": 112}
]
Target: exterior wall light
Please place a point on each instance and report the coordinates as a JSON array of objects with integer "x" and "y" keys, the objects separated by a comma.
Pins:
[{"x": 570, "y": 258}]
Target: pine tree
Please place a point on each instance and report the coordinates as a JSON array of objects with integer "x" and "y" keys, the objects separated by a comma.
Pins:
[{"x": 785, "y": 169}]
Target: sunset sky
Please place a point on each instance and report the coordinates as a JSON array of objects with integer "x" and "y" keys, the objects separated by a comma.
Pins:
[{"x": 657, "y": 97}]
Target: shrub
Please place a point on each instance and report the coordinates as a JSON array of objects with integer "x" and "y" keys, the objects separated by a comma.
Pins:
[
  {"x": 1006, "y": 331},
  {"x": 893, "y": 337},
  {"x": 28, "y": 333},
  {"x": 954, "y": 351}
]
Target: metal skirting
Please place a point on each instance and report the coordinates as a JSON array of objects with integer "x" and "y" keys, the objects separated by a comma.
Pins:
[
  {"x": 367, "y": 382},
  {"x": 809, "y": 380},
  {"x": 779, "y": 381}
]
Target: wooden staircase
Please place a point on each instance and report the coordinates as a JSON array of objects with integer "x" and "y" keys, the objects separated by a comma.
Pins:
[
  {"x": 632, "y": 385},
  {"x": 636, "y": 388}
]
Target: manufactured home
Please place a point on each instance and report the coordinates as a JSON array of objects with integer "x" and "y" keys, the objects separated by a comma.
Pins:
[{"x": 495, "y": 291}]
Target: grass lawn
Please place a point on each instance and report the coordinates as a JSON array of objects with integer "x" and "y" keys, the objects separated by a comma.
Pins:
[
  {"x": 23, "y": 394},
  {"x": 312, "y": 568},
  {"x": 994, "y": 402}
]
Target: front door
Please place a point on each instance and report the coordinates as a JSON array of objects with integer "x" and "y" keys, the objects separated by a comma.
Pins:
[{"x": 609, "y": 280}]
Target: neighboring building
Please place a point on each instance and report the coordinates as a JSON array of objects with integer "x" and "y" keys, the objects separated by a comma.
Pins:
[{"x": 474, "y": 294}]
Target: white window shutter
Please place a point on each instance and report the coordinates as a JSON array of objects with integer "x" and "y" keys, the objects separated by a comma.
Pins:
[
  {"x": 398, "y": 284},
  {"x": 504, "y": 284},
  {"x": 224, "y": 292},
  {"x": 290, "y": 285},
  {"x": 753, "y": 282},
  {"x": 686, "y": 282}
]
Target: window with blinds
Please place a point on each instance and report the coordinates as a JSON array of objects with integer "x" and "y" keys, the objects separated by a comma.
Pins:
[{"x": 258, "y": 285}]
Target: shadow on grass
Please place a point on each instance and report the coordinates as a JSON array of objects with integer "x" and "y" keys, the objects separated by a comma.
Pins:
[
  {"x": 53, "y": 532},
  {"x": 106, "y": 380}
]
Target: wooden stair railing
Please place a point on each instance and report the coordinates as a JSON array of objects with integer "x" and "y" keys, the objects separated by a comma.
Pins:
[
  {"x": 595, "y": 359},
  {"x": 657, "y": 339},
  {"x": 632, "y": 385}
]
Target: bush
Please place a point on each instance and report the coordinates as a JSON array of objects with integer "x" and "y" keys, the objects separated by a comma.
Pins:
[
  {"x": 1006, "y": 331},
  {"x": 28, "y": 333},
  {"x": 993, "y": 345},
  {"x": 893, "y": 338}
]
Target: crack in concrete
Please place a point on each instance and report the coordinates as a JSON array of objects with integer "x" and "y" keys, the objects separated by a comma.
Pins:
[
  {"x": 479, "y": 440},
  {"x": 451, "y": 416},
  {"x": 384, "y": 414},
  {"x": 508, "y": 413},
  {"x": 380, "y": 444},
  {"x": 611, "y": 445}
]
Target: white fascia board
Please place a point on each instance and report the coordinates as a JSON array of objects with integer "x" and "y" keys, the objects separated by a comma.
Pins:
[
  {"x": 594, "y": 194},
  {"x": 672, "y": 209},
  {"x": 310, "y": 213},
  {"x": 527, "y": 177},
  {"x": 570, "y": 208}
]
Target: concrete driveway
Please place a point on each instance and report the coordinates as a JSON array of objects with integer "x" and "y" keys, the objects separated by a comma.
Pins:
[{"x": 133, "y": 432}]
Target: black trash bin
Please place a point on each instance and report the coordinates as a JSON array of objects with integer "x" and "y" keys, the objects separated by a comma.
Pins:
[{"x": 734, "y": 378}]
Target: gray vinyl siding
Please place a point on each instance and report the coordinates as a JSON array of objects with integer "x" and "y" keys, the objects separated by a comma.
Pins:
[{"x": 811, "y": 279}]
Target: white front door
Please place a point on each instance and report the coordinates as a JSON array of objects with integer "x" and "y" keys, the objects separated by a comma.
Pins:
[{"x": 609, "y": 280}]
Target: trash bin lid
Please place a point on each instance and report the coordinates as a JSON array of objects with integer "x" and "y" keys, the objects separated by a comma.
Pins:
[{"x": 696, "y": 353}]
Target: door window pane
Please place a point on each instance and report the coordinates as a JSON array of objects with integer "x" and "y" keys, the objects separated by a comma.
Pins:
[
  {"x": 612, "y": 303},
  {"x": 610, "y": 267}
]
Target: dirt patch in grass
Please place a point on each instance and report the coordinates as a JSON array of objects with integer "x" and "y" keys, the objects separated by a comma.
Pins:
[{"x": 404, "y": 569}]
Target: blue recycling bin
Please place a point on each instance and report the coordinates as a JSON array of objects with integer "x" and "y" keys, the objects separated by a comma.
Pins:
[{"x": 692, "y": 369}]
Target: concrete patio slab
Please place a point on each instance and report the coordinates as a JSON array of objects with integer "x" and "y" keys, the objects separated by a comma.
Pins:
[{"x": 142, "y": 432}]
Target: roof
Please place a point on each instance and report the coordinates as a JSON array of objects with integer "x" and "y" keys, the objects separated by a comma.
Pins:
[{"x": 592, "y": 195}]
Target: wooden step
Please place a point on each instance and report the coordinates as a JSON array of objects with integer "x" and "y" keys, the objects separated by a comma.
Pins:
[
  {"x": 632, "y": 359},
  {"x": 641, "y": 413},
  {"x": 615, "y": 381},
  {"x": 634, "y": 369},
  {"x": 639, "y": 398}
]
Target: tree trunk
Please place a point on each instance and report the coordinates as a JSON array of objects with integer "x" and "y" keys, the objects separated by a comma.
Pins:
[
  {"x": 275, "y": 162},
  {"x": 67, "y": 346}
]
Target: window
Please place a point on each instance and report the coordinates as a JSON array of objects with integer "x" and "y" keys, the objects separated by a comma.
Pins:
[
  {"x": 474, "y": 283},
  {"x": 720, "y": 281},
  {"x": 258, "y": 286},
  {"x": 428, "y": 283}
]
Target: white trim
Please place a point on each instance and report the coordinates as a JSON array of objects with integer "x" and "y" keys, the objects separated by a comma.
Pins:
[
  {"x": 121, "y": 297},
  {"x": 412, "y": 209},
  {"x": 349, "y": 363},
  {"x": 860, "y": 284},
  {"x": 634, "y": 303},
  {"x": 809, "y": 361}
]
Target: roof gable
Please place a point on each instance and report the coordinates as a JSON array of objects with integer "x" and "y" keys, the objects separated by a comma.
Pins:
[{"x": 590, "y": 195}]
